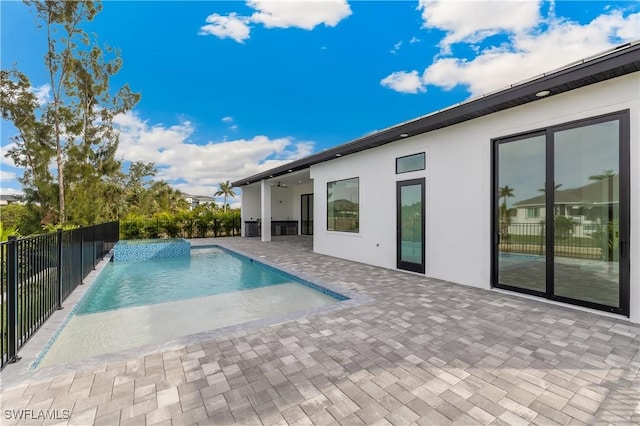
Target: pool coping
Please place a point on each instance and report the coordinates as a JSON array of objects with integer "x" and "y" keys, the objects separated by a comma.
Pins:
[{"x": 34, "y": 350}]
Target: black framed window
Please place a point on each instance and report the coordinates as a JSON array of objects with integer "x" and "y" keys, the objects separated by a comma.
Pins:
[
  {"x": 343, "y": 205},
  {"x": 410, "y": 163},
  {"x": 576, "y": 177}
]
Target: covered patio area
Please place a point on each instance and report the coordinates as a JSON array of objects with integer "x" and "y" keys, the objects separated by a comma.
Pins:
[{"x": 280, "y": 205}]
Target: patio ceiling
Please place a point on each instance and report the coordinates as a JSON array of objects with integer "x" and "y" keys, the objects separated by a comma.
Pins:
[
  {"x": 290, "y": 179},
  {"x": 624, "y": 59}
]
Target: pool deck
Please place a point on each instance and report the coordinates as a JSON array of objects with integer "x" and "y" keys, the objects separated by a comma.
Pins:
[{"x": 413, "y": 350}]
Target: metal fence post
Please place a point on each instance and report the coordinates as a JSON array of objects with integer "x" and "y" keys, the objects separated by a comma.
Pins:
[
  {"x": 12, "y": 299},
  {"x": 93, "y": 261},
  {"x": 59, "y": 290}
]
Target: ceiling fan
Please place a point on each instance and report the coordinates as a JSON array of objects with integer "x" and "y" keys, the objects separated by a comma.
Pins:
[{"x": 282, "y": 185}]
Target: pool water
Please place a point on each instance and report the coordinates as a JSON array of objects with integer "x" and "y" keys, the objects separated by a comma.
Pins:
[
  {"x": 207, "y": 272},
  {"x": 134, "y": 304}
]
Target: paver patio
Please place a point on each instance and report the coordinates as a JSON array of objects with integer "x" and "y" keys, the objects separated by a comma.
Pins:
[{"x": 421, "y": 351}]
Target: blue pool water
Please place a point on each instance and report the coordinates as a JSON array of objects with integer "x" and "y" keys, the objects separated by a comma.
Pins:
[
  {"x": 512, "y": 259},
  {"x": 208, "y": 271}
]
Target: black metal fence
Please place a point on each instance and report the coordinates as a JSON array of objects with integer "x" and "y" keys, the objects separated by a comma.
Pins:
[
  {"x": 131, "y": 229},
  {"x": 38, "y": 273},
  {"x": 571, "y": 239}
]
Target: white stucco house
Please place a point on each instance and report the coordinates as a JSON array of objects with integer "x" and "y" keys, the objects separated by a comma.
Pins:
[
  {"x": 457, "y": 177},
  {"x": 198, "y": 200}
]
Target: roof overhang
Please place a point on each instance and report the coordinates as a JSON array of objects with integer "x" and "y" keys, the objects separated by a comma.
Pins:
[{"x": 622, "y": 60}]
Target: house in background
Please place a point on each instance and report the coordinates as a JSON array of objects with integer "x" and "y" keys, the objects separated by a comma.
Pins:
[
  {"x": 9, "y": 199},
  {"x": 447, "y": 173},
  {"x": 198, "y": 200},
  {"x": 587, "y": 208}
]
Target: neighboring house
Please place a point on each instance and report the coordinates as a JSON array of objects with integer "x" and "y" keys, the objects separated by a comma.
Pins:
[
  {"x": 9, "y": 199},
  {"x": 198, "y": 200},
  {"x": 588, "y": 207},
  {"x": 446, "y": 172}
]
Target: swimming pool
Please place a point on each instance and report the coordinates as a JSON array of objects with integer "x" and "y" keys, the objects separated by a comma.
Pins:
[
  {"x": 208, "y": 271},
  {"x": 140, "y": 303}
]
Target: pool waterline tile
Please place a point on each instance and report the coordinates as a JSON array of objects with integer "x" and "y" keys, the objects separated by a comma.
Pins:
[{"x": 140, "y": 250}]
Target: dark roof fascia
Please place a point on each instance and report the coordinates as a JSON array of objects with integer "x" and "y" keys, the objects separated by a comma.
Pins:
[{"x": 620, "y": 61}]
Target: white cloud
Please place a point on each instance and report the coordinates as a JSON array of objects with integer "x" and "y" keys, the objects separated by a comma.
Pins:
[
  {"x": 42, "y": 94},
  {"x": 396, "y": 47},
  {"x": 232, "y": 26},
  {"x": 4, "y": 160},
  {"x": 302, "y": 14},
  {"x": 404, "y": 82},
  {"x": 227, "y": 119},
  {"x": 7, "y": 176},
  {"x": 414, "y": 39},
  {"x": 532, "y": 54},
  {"x": 202, "y": 166},
  {"x": 472, "y": 21},
  {"x": 534, "y": 44},
  {"x": 11, "y": 191}
]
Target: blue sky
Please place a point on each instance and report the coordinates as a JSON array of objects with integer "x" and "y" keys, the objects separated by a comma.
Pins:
[{"x": 233, "y": 88}]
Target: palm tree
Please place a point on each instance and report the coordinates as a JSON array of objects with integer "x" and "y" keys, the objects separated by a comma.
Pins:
[
  {"x": 608, "y": 233},
  {"x": 555, "y": 188},
  {"x": 504, "y": 192},
  {"x": 606, "y": 174},
  {"x": 225, "y": 189}
]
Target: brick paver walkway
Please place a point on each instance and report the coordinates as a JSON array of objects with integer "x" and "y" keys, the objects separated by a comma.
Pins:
[{"x": 420, "y": 352}]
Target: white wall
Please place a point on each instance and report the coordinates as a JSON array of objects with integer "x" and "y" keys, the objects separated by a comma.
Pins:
[
  {"x": 250, "y": 202},
  {"x": 458, "y": 188},
  {"x": 281, "y": 203},
  {"x": 250, "y": 205}
]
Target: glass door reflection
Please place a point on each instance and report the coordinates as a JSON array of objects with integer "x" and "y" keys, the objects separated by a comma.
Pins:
[
  {"x": 587, "y": 213},
  {"x": 410, "y": 225},
  {"x": 520, "y": 213}
]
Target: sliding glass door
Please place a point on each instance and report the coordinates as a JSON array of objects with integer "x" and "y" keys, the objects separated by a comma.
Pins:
[{"x": 561, "y": 213}]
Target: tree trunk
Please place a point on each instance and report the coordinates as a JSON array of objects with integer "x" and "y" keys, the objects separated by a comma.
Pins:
[{"x": 60, "y": 162}]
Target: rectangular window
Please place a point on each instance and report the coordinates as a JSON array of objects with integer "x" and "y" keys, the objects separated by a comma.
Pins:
[
  {"x": 343, "y": 205},
  {"x": 410, "y": 163},
  {"x": 533, "y": 213}
]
